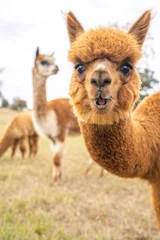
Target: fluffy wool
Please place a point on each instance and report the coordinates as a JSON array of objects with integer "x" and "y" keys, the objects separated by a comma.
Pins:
[
  {"x": 102, "y": 42},
  {"x": 104, "y": 88},
  {"x": 17, "y": 133}
]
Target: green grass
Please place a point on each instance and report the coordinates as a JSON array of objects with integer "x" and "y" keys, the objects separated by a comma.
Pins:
[{"x": 77, "y": 207}]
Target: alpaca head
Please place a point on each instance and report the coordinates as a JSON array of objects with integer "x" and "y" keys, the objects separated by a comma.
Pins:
[
  {"x": 45, "y": 64},
  {"x": 105, "y": 84}
]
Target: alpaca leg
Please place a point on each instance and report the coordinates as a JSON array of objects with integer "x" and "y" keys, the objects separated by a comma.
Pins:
[
  {"x": 90, "y": 164},
  {"x": 156, "y": 200},
  {"x": 23, "y": 147},
  {"x": 102, "y": 172},
  {"x": 35, "y": 144},
  {"x": 57, "y": 167},
  {"x": 30, "y": 145},
  {"x": 14, "y": 147},
  {"x": 58, "y": 149}
]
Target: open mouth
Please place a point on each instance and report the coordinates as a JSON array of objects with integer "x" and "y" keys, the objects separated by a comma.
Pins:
[{"x": 101, "y": 103}]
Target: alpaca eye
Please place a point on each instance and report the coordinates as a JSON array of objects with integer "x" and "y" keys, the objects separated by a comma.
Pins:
[
  {"x": 80, "y": 68},
  {"x": 125, "y": 69},
  {"x": 44, "y": 62}
]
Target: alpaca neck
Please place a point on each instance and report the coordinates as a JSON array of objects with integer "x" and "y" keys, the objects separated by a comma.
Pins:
[
  {"x": 39, "y": 94},
  {"x": 120, "y": 148}
]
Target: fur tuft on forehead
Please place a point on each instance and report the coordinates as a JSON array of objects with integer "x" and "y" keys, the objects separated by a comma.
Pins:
[
  {"x": 114, "y": 44},
  {"x": 40, "y": 57},
  {"x": 45, "y": 57}
]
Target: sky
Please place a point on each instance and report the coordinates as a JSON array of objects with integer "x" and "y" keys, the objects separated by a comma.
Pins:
[{"x": 24, "y": 25}]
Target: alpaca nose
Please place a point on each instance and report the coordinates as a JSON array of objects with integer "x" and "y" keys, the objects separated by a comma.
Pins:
[
  {"x": 100, "y": 79},
  {"x": 57, "y": 68}
]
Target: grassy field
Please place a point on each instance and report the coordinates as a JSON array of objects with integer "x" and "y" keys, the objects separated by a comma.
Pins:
[{"x": 77, "y": 207}]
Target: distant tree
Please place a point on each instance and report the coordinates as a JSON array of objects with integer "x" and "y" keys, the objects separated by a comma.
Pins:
[
  {"x": 1, "y": 95},
  {"x": 18, "y": 104},
  {"x": 1, "y": 84},
  {"x": 148, "y": 81},
  {"x": 5, "y": 103}
]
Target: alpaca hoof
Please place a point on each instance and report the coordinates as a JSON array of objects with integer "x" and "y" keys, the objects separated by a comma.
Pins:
[
  {"x": 85, "y": 173},
  {"x": 56, "y": 178},
  {"x": 101, "y": 176}
]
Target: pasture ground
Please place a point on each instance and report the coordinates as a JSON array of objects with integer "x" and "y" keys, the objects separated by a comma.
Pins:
[{"x": 77, "y": 207}]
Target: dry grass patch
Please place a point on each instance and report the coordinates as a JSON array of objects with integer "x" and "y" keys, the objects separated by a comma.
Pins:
[{"x": 78, "y": 208}]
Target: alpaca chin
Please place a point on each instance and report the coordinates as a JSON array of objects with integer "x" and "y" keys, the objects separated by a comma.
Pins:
[
  {"x": 100, "y": 119},
  {"x": 85, "y": 113}
]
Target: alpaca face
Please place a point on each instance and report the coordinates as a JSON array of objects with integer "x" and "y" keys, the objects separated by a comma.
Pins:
[
  {"x": 105, "y": 84},
  {"x": 104, "y": 91},
  {"x": 46, "y": 65}
]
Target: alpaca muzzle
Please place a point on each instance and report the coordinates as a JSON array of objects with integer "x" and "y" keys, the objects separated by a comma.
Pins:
[
  {"x": 102, "y": 103},
  {"x": 56, "y": 69},
  {"x": 99, "y": 83},
  {"x": 100, "y": 79}
]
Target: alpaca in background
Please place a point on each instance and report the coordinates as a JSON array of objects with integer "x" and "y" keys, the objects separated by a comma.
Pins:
[
  {"x": 104, "y": 88},
  {"x": 17, "y": 133},
  {"x": 53, "y": 119}
]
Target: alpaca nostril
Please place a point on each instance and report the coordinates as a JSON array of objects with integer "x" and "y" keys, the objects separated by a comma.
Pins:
[
  {"x": 106, "y": 81},
  {"x": 93, "y": 81},
  {"x": 100, "y": 82}
]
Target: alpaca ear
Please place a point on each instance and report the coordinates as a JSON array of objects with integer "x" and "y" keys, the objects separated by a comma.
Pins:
[
  {"x": 37, "y": 52},
  {"x": 74, "y": 27},
  {"x": 140, "y": 28}
]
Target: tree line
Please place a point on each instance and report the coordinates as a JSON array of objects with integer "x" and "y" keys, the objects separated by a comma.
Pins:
[{"x": 17, "y": 104}]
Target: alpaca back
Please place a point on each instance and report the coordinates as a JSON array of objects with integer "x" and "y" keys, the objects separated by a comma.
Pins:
[
  {"x": 21, "y": 125},
  {"x": 65, "y": 116},
  {"x": 59, "y": 119}
]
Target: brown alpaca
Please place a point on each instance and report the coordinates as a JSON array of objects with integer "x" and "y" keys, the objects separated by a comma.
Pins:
[
  {"x": 104, "y": 88},
  {"x": 52, "y": 119},
  {"x": 18, "y": 132}
]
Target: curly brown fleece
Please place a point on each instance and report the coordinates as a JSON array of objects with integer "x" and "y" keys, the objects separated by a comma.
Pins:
[
  {"x": 18, "y": 132},
  {"x": 125, "y": 143}
]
